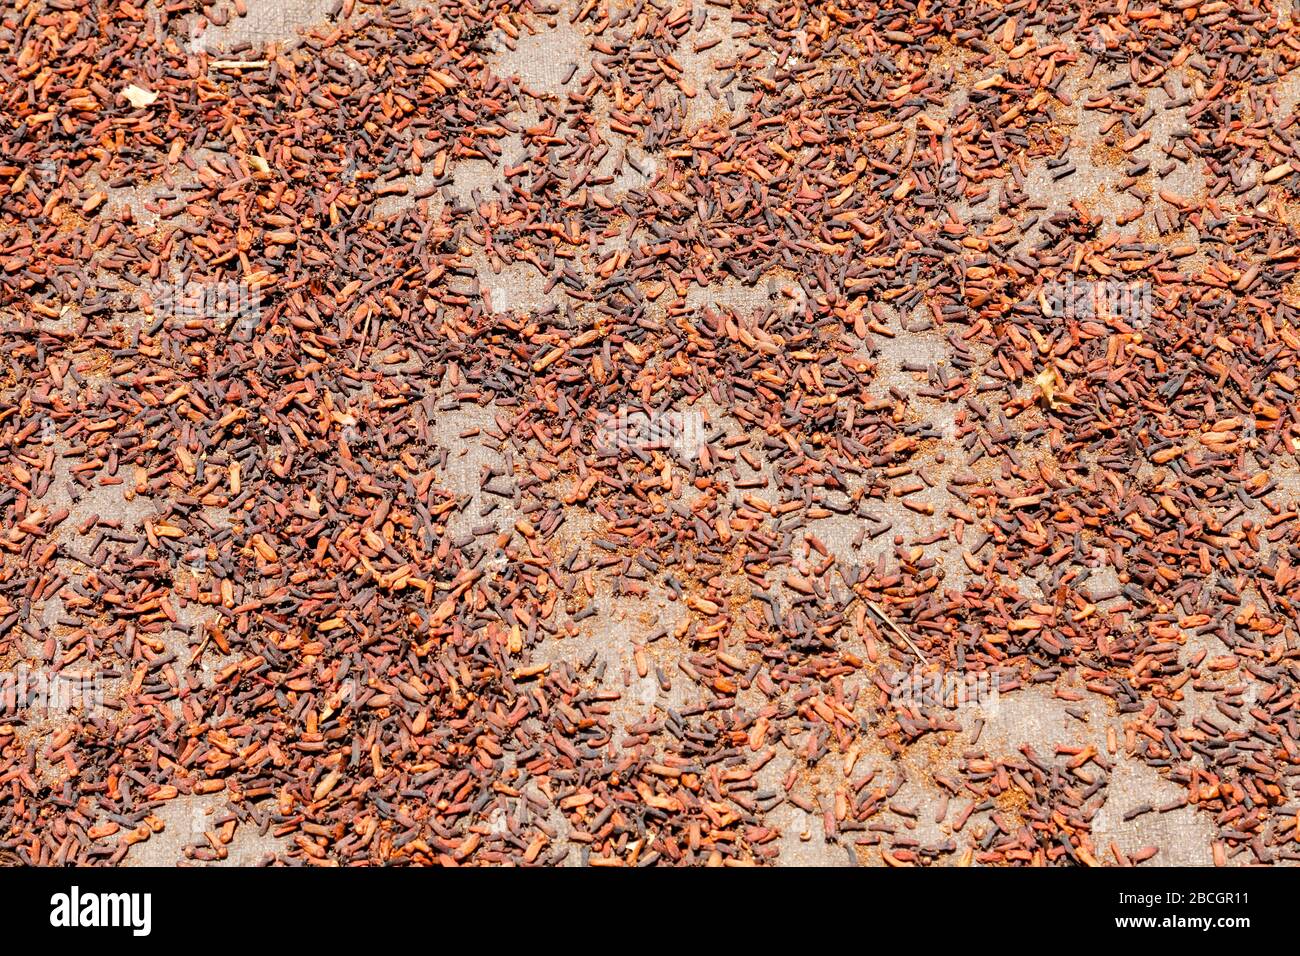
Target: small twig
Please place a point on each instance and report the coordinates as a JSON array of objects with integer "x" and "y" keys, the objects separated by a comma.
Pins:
[
  {"x": 239, "y": 64},
  {"x": 897, "y": 630}
]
